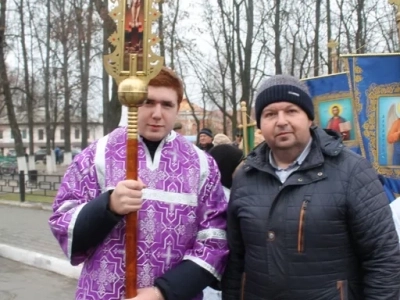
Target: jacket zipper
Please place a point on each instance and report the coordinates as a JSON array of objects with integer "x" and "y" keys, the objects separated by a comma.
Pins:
[
  {"x": 340, "y": 287},
  {"x": 243, "y": 284},
  {"x": 300, "y": 237}
]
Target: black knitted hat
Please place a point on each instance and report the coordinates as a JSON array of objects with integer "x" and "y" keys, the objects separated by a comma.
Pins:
[
  {"x": 283, "y": 88},
  {"x": 227, "y": 158},
  {"x": 206, "y": 131}
]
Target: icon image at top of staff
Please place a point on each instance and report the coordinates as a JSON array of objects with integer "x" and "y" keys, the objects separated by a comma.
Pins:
[{"x": 135, "y": 12}]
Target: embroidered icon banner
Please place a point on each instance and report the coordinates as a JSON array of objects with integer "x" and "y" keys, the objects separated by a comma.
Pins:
[
  {"x": 375, "y": 80},
  {"x": 334, "y": 107}
]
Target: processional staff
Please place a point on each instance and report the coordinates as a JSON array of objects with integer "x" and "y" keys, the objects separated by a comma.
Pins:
[
  {"x": 133, "y": 64},
  {"x": 243, "y": 109},
  {"x": 248, "y": 130},
  {"x": 332, "y": 44},
  {"x": 397, "y": 3}
]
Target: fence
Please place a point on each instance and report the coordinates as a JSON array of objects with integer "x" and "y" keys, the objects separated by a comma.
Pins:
[
  {"x": 29, "y": 184},
  {"x": 7, "y": 159}
]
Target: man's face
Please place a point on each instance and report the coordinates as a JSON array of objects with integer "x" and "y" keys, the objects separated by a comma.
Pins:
[
  {"x": 204, "y": 139},
  {"x": 335, "y": 111},
  {"x": 284, "y": 126},
  {"x": 158, "y": 114},
  {"x": 238, "y": 138}
]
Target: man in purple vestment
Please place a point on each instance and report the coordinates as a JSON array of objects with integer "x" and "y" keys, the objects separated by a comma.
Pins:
[{"x": 181, "y": 207}]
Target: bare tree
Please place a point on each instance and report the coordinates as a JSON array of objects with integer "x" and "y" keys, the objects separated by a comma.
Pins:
[
  {"x": 180, "y": 68},
  {"x": 386, "y": 23},
  {"x": 85, "y": 24},
  {"x": 221, "y": 59},
  {"x": 64, "y": 30},
  {"x": 316, "y": 36},
  {"x": 329, "y": 34},
  {"x": 161, "y": 28},
  {"x": 47, "y": 86},
  {"x": 172, "y": 45},
  {"x": 234, "y": 29},
  {"x": 5, "y": 84},
  {"x": 277, "y": 31},
  {"x": 360, "y": 34},
  {"x": 111, "y": 107},
  {"x": 22, "y": 8},
  {"x": 298, "y": 41}
]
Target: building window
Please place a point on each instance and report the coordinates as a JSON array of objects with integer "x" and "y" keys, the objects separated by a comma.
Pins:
[
  {"x": 41, "y": 134},
  {"x": 77, "y": 134},
  {"x": 62, "y": 134},
  {"x": 88, "y": 134},
  {"x": 1, "y": 134},
  {"x": 23, "y": 134}
]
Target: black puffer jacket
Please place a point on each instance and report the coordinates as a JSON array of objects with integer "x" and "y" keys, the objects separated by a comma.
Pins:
[{"x": 326, "y": 233}]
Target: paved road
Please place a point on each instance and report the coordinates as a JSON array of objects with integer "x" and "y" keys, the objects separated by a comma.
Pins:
[
  {"x": 28, "y": 229},
  {"x": 21, "y": 282}
]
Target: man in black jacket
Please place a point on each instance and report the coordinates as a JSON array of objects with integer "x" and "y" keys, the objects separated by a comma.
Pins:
[{"x": 308, "y": 219}]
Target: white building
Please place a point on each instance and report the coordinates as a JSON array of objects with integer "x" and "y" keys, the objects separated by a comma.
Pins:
[{"x": 95, "y": 128}]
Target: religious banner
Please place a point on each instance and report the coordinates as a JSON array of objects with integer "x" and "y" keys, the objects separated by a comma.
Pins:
[
  {"x": 334, "y": 107},
  {"x": 376, "y": 85}
]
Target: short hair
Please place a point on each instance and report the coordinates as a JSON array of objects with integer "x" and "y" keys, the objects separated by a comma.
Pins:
[
  {"x": 335, "y": 106},
  {"x": 168, "y": 78}
]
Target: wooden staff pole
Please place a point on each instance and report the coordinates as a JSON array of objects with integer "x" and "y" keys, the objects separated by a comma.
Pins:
[
  {"x": 131, "y": 219},
  {"x": 244, "y": 124},
  {"x": 132, "y": 93},
  {"x": 143, "y": 65}
]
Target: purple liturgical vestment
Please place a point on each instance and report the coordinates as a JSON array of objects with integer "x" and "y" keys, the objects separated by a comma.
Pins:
[{"x": 182, "y": 216}]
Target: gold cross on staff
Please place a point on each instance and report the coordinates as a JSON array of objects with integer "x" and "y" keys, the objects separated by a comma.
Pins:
[{"x": 332, "y": 44}]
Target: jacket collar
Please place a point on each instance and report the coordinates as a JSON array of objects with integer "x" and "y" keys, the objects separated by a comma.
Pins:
[{"x": 324, "y": 142}]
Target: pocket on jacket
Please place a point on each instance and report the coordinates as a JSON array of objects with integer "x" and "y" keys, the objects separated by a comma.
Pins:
[
  {"x": 243, "y": 285},
  {"x": 341, "y": 286},
  {"x": 301, "y": 229}
]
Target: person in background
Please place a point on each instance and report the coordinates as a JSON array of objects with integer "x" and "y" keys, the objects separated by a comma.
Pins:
[
  {"x": 228, "y": 159},
  {"x": 307, "y": 217},
  {"x": 220, "y": 139},
  {"x": 238, "y": 138},
  {"x": 205, "y": 139},
  {"x": 57, "y": 153},
  {"x": 179, "y": 200},
  {"x": 258, "y": 138}
]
